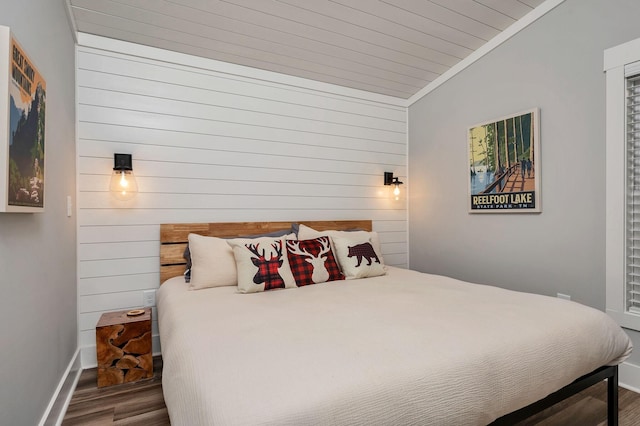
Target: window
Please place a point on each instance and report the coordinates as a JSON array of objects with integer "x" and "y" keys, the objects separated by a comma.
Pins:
[
  {"x": 622, "y": 66},
  {"x": 632, "y": 243}
]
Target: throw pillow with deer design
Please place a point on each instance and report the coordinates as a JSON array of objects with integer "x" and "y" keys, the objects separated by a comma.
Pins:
[
  {"x": 262, "y": 264},
  {"x": 312, "y": 261}
]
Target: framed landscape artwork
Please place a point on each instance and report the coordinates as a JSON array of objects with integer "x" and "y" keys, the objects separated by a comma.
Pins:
[
  {"x": 22, "y": 129},
  {"x": 504, "y": 164}
]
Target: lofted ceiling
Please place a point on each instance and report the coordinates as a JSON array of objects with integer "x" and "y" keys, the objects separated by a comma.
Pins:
[{"x": 391, "y": 47}]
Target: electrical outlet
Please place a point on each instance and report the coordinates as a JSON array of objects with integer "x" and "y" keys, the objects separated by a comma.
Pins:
[
  {"x": 149, "y": 298},
  {"x": 564, "y": 296}
]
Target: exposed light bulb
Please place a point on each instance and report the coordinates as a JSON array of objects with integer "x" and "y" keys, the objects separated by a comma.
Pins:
[
  {"x": 123, "y": 181},
  {"x": 123, "y": 185},
  {"x": 390, "y": 180}
]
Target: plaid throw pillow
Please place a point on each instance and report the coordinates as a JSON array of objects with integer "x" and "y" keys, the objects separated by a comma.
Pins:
[
  {"x": 312, "y": 261},
  {"x": 358, "y": 258},
  {"x": 262, "y": 264}
]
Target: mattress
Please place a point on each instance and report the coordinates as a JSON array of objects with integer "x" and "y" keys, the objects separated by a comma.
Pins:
[{"x": 404, "y": 348}]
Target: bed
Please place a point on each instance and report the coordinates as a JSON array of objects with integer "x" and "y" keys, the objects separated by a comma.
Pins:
[{"x": 402, "y": 348}]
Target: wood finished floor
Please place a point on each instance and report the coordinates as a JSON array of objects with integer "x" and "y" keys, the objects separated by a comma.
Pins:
[
  {"x": 142, "y": 404},
  {"x": 128, "y": 404}
]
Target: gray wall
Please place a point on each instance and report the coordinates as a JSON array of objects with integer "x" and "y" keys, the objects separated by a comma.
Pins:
[
  {"x": 555, "y": 64},
  {"x": 38, "y": 251}
]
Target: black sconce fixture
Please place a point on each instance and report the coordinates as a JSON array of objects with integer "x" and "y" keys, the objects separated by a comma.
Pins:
[
  {"x": 390, "y": 180},
  {"x": 123, "y": 183}
]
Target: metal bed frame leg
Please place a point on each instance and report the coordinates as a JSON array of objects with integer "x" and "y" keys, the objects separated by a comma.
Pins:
[
  {"x": 608, "y": 373},
  {"x": 612, "y": 398}
]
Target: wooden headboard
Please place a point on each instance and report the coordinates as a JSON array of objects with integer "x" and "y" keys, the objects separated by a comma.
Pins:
[{"x": 174, "y": 237}]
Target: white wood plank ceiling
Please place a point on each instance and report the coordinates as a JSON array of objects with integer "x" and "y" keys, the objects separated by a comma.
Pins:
[{"x": 391, "y": 47}]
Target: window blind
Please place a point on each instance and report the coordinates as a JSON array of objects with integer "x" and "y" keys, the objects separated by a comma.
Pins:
[{"x": 633, "y": 193}]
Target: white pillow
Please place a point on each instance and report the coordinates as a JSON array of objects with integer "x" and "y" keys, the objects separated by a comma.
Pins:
[
  {"x": 357, "y": 257},
  {"x": 262, "y": 264},
  {"x": 212, "y": 263},
  {"x": 307, "y": 233}
]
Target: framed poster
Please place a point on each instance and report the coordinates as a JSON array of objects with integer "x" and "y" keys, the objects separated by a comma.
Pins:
[
  {"x": 22, "y": 129},
  {"x": 504, "y": 164}
]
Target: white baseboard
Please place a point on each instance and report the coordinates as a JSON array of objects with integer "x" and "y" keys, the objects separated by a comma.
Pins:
[
  {"x": 57, "y": 407},
  {"x": 629, "y": 376},
  {"x": 88, "y": 353}
]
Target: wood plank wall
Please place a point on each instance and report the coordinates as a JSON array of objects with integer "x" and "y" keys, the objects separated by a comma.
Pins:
[{"x": 217, "y": 146}]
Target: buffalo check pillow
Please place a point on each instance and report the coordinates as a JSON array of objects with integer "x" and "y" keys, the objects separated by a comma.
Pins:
[
  {"x": 357, "y": 257},
  {"x": 187, "y": 251},
  {"x": 262, "y": 264},
  {"x": 306, "y": 233},
  {"x": 312, "y": 261}
]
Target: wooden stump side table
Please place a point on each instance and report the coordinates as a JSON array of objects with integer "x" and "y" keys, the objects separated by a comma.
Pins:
[{"x": 123, "y": 345}]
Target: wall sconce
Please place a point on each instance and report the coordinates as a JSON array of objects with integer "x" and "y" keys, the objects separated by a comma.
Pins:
[
  {"x": 123, "y": 183},
  {"x": 390, "y": 180}
]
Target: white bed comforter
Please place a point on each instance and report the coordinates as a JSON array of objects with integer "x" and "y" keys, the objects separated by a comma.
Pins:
[{"x": 405, "y": 348}]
